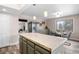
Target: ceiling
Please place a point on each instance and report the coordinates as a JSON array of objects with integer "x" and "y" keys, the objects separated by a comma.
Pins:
[
  {"x": 8, "y": 10},
  {"x": 14, "y": 6},
  {"x": 53, "y": 10}
]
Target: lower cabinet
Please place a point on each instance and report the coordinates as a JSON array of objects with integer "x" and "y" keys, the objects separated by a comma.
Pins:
[
  {"x": 28, "y": 47},
  {"x": 37, "y": 52},
  {"x": 41, "y": 50},
  {"x": 25, "y": 49},
  {"x": 30, "y": 50},
  {"x": 21, "y": 45}
]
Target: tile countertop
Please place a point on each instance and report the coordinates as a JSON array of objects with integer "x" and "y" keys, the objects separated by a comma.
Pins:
[{"x": 51, "y": 42}]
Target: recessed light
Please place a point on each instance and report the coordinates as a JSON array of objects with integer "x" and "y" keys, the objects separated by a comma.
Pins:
[
  {"x": 4, "y": 9},
  {"x": 45, "y": 13},
  {"x": 34, "y": 17}
]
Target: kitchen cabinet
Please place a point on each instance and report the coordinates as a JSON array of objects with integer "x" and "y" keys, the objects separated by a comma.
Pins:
[
  {"x": 36, "y": 43},
  {"x": 30, "y": 50},
  {"x": 37, "y": 52},
  {"x": 20, "y": 44},
  {"x": 24, "y": 48},
  {"x": 29, "y": 47}
]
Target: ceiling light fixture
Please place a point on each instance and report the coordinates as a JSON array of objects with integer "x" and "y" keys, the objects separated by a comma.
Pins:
[
  {"x": 45, "y": 13},
  {"x": 59, "y": 13},
  {"x": 34, "y": 17}
]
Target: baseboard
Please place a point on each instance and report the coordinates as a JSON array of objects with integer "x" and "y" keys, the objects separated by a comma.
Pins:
[{"x": 10, "y": 45}]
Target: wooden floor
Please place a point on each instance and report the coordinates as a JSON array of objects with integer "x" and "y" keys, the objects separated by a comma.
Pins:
[{"x": 10, "y": 50}]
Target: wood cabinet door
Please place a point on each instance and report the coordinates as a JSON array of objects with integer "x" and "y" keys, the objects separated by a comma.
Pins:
[
  {"x": 21, "y": 47},
  {"x": 28, "y": 47},
  {"x": 30, "y": 50},
  {"x": 25, "y": 51},
  {"x": 37, "y": 52}
]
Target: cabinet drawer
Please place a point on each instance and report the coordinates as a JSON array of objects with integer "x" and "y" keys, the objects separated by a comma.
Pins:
[
  {"x": 31, "y": 44},
  {"x": 41, "y": 50}
]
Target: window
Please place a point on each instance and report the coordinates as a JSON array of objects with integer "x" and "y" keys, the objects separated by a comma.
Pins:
[{"x": 64, "y": 25}]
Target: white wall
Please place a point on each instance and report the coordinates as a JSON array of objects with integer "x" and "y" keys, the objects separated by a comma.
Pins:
[
  {"x": 51, "y": 24},
  {"x": 8, "y": 29}
]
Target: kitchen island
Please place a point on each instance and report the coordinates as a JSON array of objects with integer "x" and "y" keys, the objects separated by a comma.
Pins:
[{"x": 35, "y": 43}]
